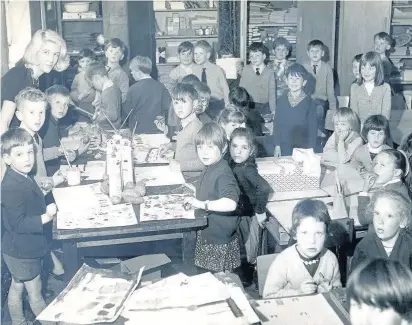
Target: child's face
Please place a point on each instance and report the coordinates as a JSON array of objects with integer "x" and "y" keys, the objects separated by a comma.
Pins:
[
  {"x": 295, "y": 83},
  {"x": 315, "y": 53},
  {"x": 230, "y": 127},
  {"x": 386, "y": 220},
  {"x": 381, "y": 46},
  {"x": 32, "y": 114},
  {"x": 368, "y": 72},
  {"x": 376, "y": 138},
  {"x": 281, "y": 52},
  {"x": 186, "y": 57},
  {"x": 240, "y": 149},
  {"x": 201, "y": 55},
  {"x": 310, "y": 237},
  {"x": 114, "y": 54},
  {"x": 47, "y": 56},
  {"x": 239, "y": 67},
  {"x": 184, "y": 107},
  {"x": 355, "y": 69},
  {"x": 257, "y": 58},
  {"x": 21, "y": 158},
  {"x": 341, "y": 127},
  {"x": 363, "y": 314},
  {"x": 384, "y": 167},
  {"x": 84, "y": 62},
  {"x": 59, "y": 105},
  {"x": 204, "y": 103},
  {"x": 208, "y": 153}
]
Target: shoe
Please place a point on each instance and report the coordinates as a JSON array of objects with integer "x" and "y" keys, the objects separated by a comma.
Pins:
[{"x": 58, "y": 277}]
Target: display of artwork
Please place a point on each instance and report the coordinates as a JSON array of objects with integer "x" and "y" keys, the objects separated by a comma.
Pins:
[
  {"x": 164, "y": 207},
  {"x": 92, "y": 296},
  {"x": 85, "y": 206},
  {"x": 146, "y": 149}
]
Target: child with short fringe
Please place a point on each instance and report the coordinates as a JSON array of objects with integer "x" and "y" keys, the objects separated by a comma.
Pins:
[
  {"x": 380, "y": 292},
  {"x": 81, "y": 92},
  {"x": 148, "y": 100},
  {"x": 185, "y": 102},
  {"x": 342, "y": 144},
  {"x": 306, "y": 267},
  {"x": 356, "y": 67},
  {"x": 376, "y": 133},
  {"x": 382, "y": 45},
  {"x": 217, "y": 194},
  {"x": 295, "y": 119},
  {"x": 282, "y": 49},
  {"x": 391, "y": 215}
]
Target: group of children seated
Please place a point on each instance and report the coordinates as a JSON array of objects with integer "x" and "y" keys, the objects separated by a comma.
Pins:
[{"x": 214, "y": 133}]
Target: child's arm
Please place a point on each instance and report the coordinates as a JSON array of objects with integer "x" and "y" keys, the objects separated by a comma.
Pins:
[
  {"x": 15, "y": 213},
  {"x": 345, "y": 151},
  {"x": 356, "y": 161},
  {"x": 261, "y": 186},
  {"x": 75, "y": 92},
  {"x": 223, "y": 85},
  {"x": 51, "y": 153},
  {"x": 353, "y": 98},
  {"x": 272, "y": 93},
  {"x": 228, "y": 191},
  {"x": 123, "y": 85},
  {"x": 330, "y": 89},
  {"x": 386, "y": 101},
  {"x": 128, "y": 105},
  {"x": 113, "y": 102},
  {"x": 330, "y": 153},
  {"x": 277, "y": 122}
]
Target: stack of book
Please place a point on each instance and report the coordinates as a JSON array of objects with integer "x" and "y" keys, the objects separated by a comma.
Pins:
[
  {"x": 254, "y": 35},
  {"x": 257, "y": 13}
]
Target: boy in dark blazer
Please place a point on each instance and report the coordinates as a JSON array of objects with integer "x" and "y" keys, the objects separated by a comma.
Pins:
[{"x": 24, "y": 213}]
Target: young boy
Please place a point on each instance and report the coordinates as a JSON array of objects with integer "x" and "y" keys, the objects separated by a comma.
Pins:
[
  {"x": 58, "y": 98},
  {"x": 324, "y": 91},
  {"x": 282, "y": 48},
  {"x": 24, "y": 212},
  {"x": 148, "y": 100},
  {"x": 114, "y": 51},
  {"x": 382, "y": 44},
  {"x": 204, "y": 94},
  {"x": 259, "y": 81},
  {"x": 185, "y": 101},
  {"x": 31, "y": 107},
  {"x": 108, "y": 111},
  {"x": 213, "y": 76}
]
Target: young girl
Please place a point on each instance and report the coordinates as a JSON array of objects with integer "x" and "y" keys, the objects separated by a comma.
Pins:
[
  {"x": 217, "y": 194},
  {"x": 376, "y": 133},
  {"x": 239, "y": 98},
  {"x": 371, "y": 95},
  {"x": 254, "y": 190},
  {"x": 356, "y": 67},
  {"x": 391, "y": 213},
  {"x": 389, "y": 170},
  {"x": 230, "y": 119},
  {"x": 306, "y": 267},
  {"x": 295, "y": 123},
  {"x": 345, "y": 140},
  {"x": 380, "y": 292},
  {"x": 82, "y": 93}
]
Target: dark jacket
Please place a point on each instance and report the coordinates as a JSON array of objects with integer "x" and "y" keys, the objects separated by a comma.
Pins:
[
  {"x": 22, "y": 204},
  {"x": 254, "y": 189}
]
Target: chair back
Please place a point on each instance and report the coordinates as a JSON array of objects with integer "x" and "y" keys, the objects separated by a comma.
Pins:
[{"x": 263, "y": 264}]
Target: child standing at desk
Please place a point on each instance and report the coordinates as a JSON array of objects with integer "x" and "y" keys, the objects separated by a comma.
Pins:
[
  {"x": 306, "y": 267},
  {"x": 389, "y": 171},
  {"x": 391, "y": 214},
  {"x": 254, "y": 190},
  {"x": 345, "y": 140},
  {"x": 380, "y": 292},
  {"x": 370, "y": 95},
  {"x": 217, "y": 194},
  {"x": 24, "y": 213},
  {"x": 376, "y": 133},
  {"x": 108, "y": 111},
  {"x": 185, "y": 102}
]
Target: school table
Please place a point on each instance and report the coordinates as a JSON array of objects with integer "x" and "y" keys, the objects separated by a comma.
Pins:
[{"x": 75, "y": 239}]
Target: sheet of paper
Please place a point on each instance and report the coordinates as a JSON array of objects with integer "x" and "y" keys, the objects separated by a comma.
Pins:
[
  {"x": 94, "y": 170},
  {"x": 150, "y": 140},
  {"x": 158, "y": 175},
  {"x": 243, "y": 304},
  {"x": 299, "y": 310},
  {"x": 164, "y": 207},
  {"x": 92, "y": 296},
  {"x": 229, "y": 66}
]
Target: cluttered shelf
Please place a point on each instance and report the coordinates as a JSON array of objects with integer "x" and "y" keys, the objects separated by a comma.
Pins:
[
  {"x": 185, "y": 10},
  {"x": 186, "y": 37},
  {"x": 82, "y": 19}
]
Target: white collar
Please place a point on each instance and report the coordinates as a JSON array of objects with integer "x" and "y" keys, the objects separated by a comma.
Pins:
[
  {"x": 392, "y": 182},
  {"x": 374, "y": 150}
]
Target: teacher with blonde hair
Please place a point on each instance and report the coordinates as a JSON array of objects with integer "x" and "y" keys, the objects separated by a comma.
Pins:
[{"x": 46, "y": 51}]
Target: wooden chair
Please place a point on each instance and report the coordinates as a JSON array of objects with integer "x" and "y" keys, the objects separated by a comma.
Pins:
[{"x": 263, "y": 264}]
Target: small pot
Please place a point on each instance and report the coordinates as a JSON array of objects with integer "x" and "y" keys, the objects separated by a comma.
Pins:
[{"x": 73, "y": 177}]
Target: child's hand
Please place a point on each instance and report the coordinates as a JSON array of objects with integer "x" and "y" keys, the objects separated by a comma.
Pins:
[
  {"x": 51, "y": 210},
  {"x": 96, "y": 114},
  {"x": 370, "y": 180},
  {"x": 278, "y": 152},
  {"x": 194, "y": 202},
  {"x": 174, "y": 165},
  {"x": 324, "y": 286},
  {"x": 164, "y": 148},
  {"x": 70, "y": 154},
  {"x": 46, "y": 184},
  {"x": 261, "y": 218},
  {"x": 308, "y": 286},
  {"x": 84, "y": 145},
  {"x": 96, "y": 101},
  {"x": 343, "y": 135},
  {"x": 58, "y": 178}
]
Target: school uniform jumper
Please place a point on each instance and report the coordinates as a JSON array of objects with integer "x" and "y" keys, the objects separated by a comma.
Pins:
[
  {"x": 362, "y": 158},
  {"x": 294, "y": 126},
  {"x": 288, "y": 271},
  {"x": 371, "y": 247},
  {"x": 217, "y": 246},
  {"x": 331, "y": 155},
  {"x": 120, "y": 79},
  {"x": 110, "y": 104}
]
